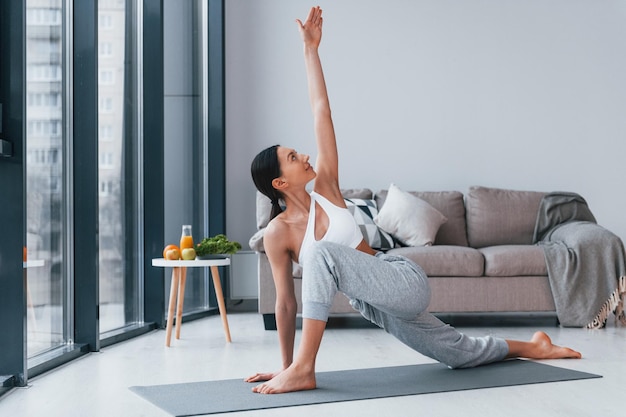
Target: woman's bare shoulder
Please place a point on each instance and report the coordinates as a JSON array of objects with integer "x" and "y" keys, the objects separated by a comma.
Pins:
[
  {"x": 279, "y": 232},
  {"x": 276, "y": 227},
  {"x": 278, "y": 239}
]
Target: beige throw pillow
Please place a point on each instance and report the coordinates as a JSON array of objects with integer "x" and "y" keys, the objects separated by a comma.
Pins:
[{"x": 408, "y": 218}]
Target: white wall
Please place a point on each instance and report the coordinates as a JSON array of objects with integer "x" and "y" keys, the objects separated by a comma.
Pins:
[{"x": 437, "y": 95}]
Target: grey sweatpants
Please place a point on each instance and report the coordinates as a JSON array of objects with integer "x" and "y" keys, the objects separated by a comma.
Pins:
[{"x": 393, "y": 293}]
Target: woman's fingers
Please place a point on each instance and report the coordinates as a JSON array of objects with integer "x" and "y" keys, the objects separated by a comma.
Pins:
[
  {"x": 312, "y": 14},
  {"x": 259, "y": 377},
  {"x": 253, "y": 378},
  {"x": 314, "y": 17}
]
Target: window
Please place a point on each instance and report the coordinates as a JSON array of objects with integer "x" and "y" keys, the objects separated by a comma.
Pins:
[
  {"x": 119, "y": 171},
  {"x": 105, "y": 49},
  {"x": 58, "y": 91},
  {"x": 45, "y": 100},
  {"x": 44, "y": 17},
  {"x": 44, "y": 72},
  {"x": 47, "y": 231},
  {"x": 106, "y": 189},
  {"x": 106, "y": 160},
  {"x": 105, "y": 20},
  {"x": 105, "y": 132},
  {"x": 106, "y": 76},
  {"x": 106, "y": 105},
  {"x": 44, "y": 128}
]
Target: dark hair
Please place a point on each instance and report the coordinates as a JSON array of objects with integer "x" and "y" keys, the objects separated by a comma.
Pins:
[{"x": 265, "y": 167}]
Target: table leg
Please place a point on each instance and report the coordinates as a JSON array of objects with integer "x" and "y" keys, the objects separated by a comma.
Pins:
[
  {"x": 181, "y": 300},
  {"x": 172, "y": 306},
  {"x": 220, "y": 300}
]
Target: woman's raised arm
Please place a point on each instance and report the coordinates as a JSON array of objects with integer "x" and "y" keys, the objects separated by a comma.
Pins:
[{"x": 327, "y": 164}]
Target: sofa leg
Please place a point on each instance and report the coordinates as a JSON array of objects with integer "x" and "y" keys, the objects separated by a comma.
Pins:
[{"x": 269, "y": 321}]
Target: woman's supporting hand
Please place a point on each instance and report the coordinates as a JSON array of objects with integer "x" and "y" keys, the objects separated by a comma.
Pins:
[{"x": 261, "y": 377}]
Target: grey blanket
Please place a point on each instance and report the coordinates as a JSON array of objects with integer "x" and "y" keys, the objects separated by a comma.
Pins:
[{"x": 586, "y": 262}]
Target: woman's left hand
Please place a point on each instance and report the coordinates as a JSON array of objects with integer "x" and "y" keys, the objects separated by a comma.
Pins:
[{"x": 260, "y": 377}]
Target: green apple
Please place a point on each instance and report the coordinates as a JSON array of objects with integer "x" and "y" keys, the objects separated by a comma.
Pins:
[{"x": 189, "y": 254}]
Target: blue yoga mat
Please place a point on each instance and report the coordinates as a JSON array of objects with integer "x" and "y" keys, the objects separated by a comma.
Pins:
[{"x": 210, "y": 397}]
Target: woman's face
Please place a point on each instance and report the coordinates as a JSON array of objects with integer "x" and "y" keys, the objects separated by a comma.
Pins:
[{"x": 294, "y": 167}]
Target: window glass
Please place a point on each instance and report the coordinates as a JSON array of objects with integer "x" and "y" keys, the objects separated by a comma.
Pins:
[
  {"x": 46, "y": 202},
  {"x": 119, "y": 168},
  {"x": 186, "y": 136}
]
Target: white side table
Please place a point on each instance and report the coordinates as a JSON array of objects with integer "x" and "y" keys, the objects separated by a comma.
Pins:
[{"x": 179, "y": 276}]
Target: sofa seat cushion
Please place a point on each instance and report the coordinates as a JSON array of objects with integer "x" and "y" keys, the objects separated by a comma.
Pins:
[
  {"x": 444, "y": 260},
  {"x": 514, "y": 260}
]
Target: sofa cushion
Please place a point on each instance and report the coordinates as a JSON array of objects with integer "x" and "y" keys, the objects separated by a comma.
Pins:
[
  {"x": 364, "y": 210},
  {"x": 409, "y": 219},
  {"x": 451, "y": 205},
  {"x": 514, "y": 260},
  {"x": 444, "y": 260},
  {"x": 501, "y": 217}
]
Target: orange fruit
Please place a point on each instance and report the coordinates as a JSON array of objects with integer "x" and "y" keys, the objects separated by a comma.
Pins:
[{"x": 168, "y": 248}]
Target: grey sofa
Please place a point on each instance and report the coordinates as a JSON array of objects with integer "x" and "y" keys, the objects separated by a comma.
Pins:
[{"x": 482, "y": 260}]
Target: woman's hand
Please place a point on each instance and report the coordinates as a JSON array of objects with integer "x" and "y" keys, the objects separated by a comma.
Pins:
[
  {"x": 260, "y": 377},
  {"x": 311, "y": 30}
]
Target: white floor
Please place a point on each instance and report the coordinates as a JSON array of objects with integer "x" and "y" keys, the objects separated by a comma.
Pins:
[{"x": 97, "y": 384}]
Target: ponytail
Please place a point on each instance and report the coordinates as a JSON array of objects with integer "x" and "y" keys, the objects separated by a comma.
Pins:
[
  {"x": 276, "y": 209},
  {"x": 264, "y": 169}
]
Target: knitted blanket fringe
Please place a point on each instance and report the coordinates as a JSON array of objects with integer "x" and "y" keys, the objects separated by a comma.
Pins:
[{"x": 615, "y": 305}]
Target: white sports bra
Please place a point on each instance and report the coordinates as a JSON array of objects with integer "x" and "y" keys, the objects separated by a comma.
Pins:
[{"x": 342, "y": 227}]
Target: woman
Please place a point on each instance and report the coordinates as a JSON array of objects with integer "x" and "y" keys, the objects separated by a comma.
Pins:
[{"x": 317, "y": 231}]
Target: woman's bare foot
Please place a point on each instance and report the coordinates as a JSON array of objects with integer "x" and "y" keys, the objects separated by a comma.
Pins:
[
  {"x": 540, "y": 346},
  {"x": 294, "y": 378},
  {"x": 547, "y": 350}
]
